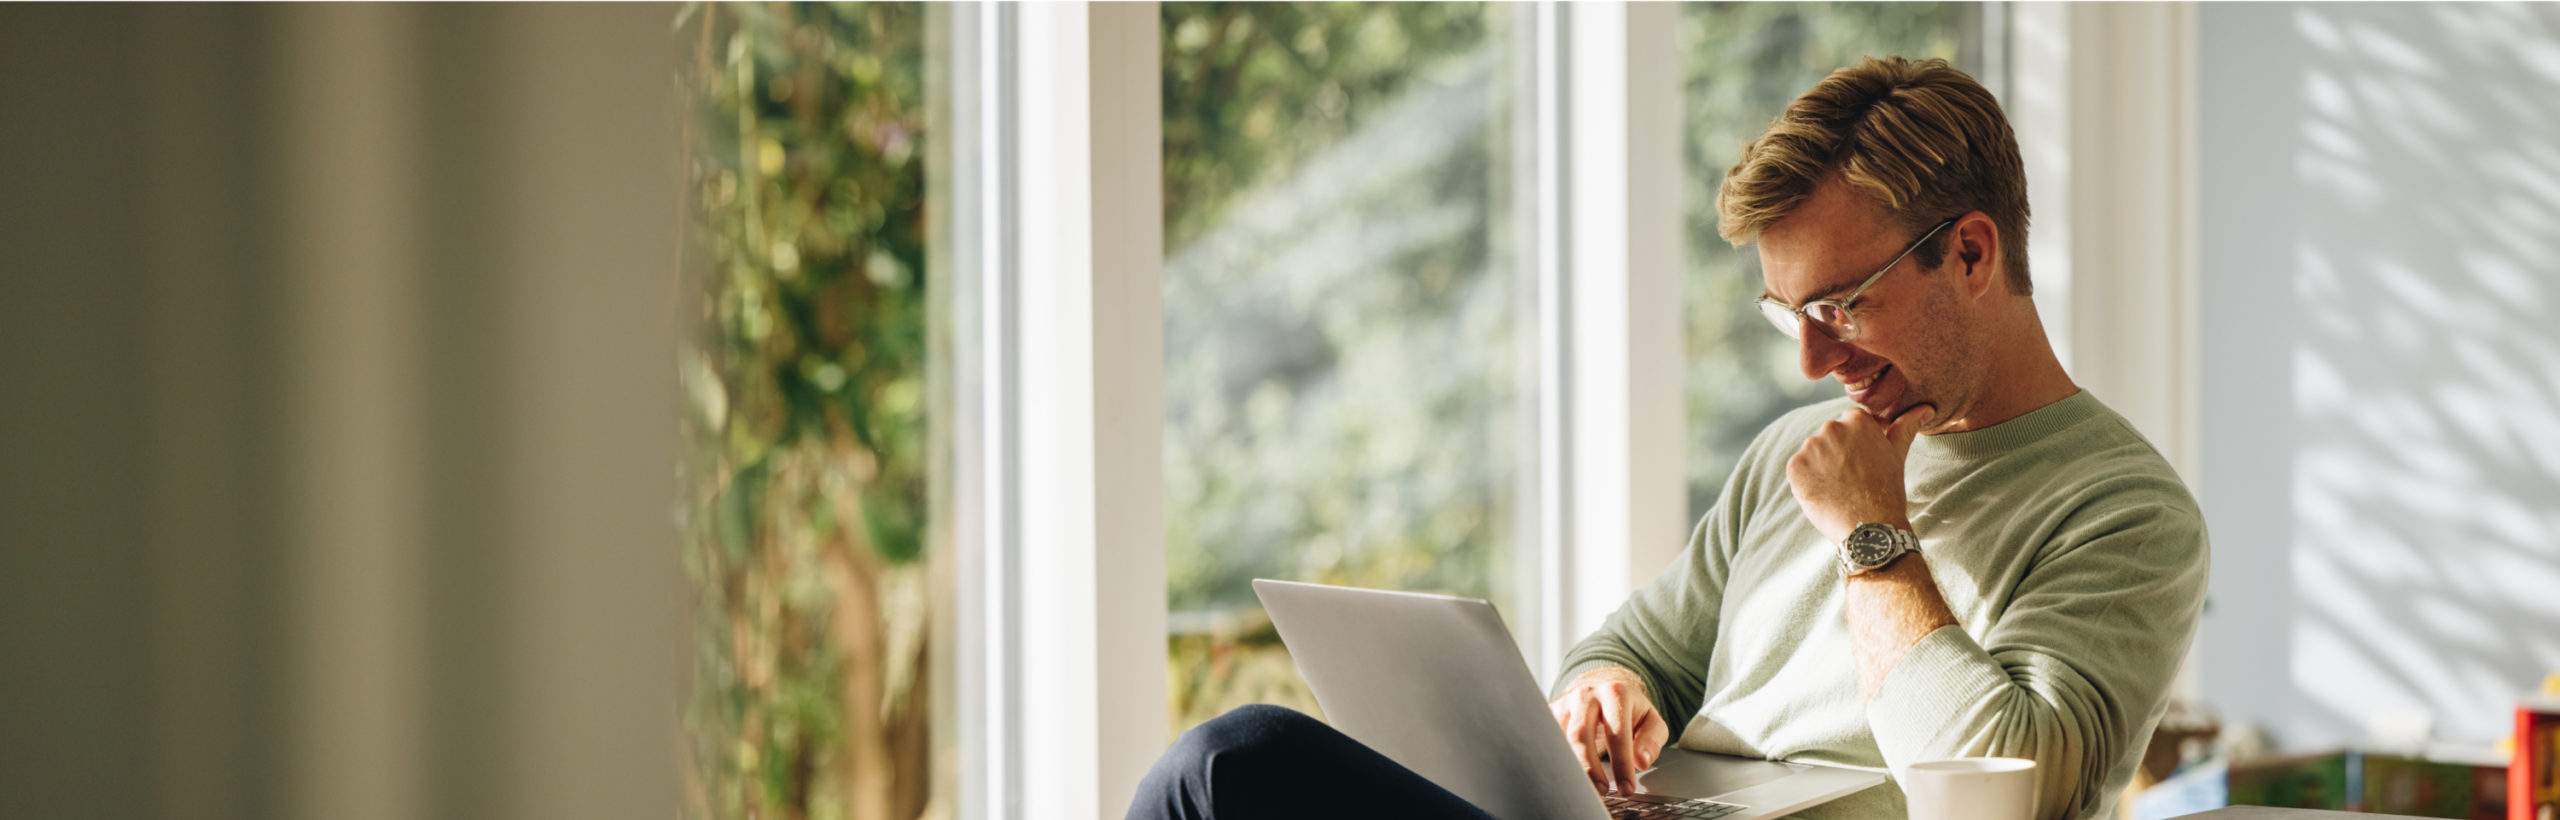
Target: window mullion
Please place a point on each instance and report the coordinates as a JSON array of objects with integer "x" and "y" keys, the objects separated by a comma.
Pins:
[
  {"x": 1083, "y": 390},
  {"x": 1610, "y": 267}
]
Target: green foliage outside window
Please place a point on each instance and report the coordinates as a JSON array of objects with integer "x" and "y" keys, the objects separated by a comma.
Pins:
[
  {"x": 1339, "y": 305},
  {"x": 804, "y": 524}
]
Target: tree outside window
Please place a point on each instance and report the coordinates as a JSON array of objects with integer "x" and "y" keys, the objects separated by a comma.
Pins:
[
  {"x": 804, "y": 520},
  {"x": 1339, "y": 314}
]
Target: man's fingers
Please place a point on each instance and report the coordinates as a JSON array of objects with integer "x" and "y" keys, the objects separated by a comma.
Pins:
[
  {"x": 1577, "y": 714},
  {"x": 1622, "y": 757},
  {"x": 1651, "y": 734},
  {"x": 1644, "y": 752},
  {"x": 1590, "y": 765},
  {"x": 1858, "y": 420},
  {"x": 1908, "y": 425},
  {"x": 1590, "y": 744},
  {"x": 1613, "y": 712},
  {"x": 1618, "y": 718},
  {"x": 1573, "y": 737}
]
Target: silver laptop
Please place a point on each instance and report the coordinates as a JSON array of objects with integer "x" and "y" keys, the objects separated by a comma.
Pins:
[{"x": 1435, "y": 683}]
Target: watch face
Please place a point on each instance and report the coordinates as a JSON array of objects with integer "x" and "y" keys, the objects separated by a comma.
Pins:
[{"x": 1869, "y": 545}]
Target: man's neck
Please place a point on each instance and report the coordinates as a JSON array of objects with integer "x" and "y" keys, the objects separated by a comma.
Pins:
[{"x": 2029, "y": 379}]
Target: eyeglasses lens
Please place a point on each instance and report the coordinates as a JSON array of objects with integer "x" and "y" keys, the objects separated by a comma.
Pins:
[{"x": 1779, "y": 316}]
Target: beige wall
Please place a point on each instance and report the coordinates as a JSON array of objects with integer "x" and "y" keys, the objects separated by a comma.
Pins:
[{"x": 337, "y": 349}]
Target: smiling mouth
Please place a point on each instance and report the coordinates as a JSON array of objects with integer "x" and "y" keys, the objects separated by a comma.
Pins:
[{"x": 1861, "y": 385}]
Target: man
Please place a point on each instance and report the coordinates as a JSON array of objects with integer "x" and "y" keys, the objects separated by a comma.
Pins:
[{"x": 1967, "y": 555}]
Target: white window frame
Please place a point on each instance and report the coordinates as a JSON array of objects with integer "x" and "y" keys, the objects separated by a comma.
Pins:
[
  {"x": 2103, "y": 100},
  {"x": 1612, "y": 493},
  {"x": 1059, "y": 238}
]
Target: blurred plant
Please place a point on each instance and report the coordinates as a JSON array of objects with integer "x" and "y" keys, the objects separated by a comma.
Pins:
[{"x": 806, "y": 378}]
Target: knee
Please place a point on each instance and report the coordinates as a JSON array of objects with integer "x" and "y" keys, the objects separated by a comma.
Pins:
[
  {"x": 1244, "y": 731},
  {"x": 1221, "y": 750}
]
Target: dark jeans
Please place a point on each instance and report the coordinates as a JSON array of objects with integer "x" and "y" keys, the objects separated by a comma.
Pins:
[{"x": 1269, "y": 761}]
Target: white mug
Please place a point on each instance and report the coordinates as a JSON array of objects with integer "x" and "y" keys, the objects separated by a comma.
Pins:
[{"x": 1971, "y": 788}]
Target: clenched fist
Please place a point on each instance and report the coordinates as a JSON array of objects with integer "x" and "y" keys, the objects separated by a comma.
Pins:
[
  {"x": 1850, "y": 471},
  {"x": 1608, "y": 717}
]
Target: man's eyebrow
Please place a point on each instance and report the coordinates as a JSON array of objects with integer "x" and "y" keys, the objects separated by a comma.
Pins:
[{"x": 1817, "y": 296}]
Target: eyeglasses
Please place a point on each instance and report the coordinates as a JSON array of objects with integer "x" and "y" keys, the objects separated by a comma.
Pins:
[{"x": 1831, "y": 316}]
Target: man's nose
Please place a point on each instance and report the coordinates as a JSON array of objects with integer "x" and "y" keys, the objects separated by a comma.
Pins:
[{"x": 1816, "y": 351}]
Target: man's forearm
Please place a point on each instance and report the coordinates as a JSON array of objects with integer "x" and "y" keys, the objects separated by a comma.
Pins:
[{"x": 1888, "y": 610}]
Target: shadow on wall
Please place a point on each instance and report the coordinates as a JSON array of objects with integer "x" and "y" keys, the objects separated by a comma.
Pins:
[{"x": 2421, "y": 489}]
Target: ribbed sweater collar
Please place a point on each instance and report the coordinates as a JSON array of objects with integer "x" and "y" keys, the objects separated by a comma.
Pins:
[{"x": 2015, "y": 433}]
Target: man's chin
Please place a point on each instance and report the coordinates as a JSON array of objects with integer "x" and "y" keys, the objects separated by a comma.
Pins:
[
  {"x": 1891, "y": 410},
  {"x": 1882, "y": 408}
]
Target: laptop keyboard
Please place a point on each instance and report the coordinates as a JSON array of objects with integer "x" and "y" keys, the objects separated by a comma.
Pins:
[{"x": 1650, "y": 806}]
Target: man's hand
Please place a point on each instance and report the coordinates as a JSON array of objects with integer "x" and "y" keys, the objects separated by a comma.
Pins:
[
  {"x": 1850, "y": 472},
  {"x": 1609, "y": 719}
]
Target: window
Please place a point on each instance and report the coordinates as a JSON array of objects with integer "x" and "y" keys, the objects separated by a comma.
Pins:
[
  {"x": 1350, "y": 361},
  {"x": 1342, "y": 367},
  {"x": 805, "y": 523},
  {"x": 1743, "y": 62}
]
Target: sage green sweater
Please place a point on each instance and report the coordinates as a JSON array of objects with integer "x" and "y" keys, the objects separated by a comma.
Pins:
[{"x": 2074, "y": 561}]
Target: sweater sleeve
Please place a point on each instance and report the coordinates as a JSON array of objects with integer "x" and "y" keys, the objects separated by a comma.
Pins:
[
  {"x": 1666, "y": 632},
  {"x": 2076, "y": 670}
]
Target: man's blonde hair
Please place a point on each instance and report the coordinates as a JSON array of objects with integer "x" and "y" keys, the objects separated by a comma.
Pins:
[{"x": 1920, "y": 138}]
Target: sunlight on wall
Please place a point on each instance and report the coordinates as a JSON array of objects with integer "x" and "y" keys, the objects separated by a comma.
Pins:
[{"x": 2419, "y": 484}]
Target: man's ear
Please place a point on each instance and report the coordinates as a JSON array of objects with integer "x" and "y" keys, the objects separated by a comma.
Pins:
[{"x": 1977, "y": 245}]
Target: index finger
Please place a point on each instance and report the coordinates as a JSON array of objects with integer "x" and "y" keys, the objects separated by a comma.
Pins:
[
  {"x": 1592, "y": 765},
  {"x": 1622, "y": 756},
  {"x": 1906, "y": 425},
  {"x": 1857, "y": 418}
]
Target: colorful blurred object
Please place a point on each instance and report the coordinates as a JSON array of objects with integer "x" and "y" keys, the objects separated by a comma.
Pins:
[
  {"x": 2371, "y": 782},
  {"x": 2533, "y": 773}
]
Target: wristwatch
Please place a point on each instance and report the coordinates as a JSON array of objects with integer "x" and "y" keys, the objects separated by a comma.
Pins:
[{"x": 1873, "y": 546}]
